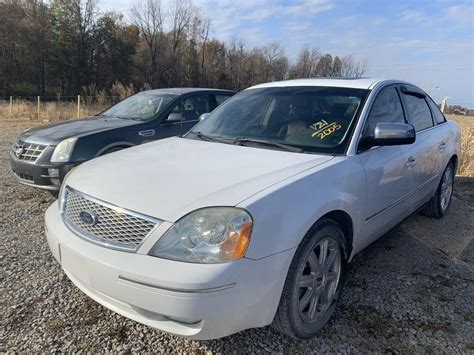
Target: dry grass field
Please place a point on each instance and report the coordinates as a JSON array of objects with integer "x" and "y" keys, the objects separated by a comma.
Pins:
[
  {"x": 466, "y": 166},
  {"x": 48, "y": 111},
  {"x": 57, "y": 111}
]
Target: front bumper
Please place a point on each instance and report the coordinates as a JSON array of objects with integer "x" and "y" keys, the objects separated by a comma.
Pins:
[
  {"x": 37, "y": 175},
  {"x": 192, "y": 300}
]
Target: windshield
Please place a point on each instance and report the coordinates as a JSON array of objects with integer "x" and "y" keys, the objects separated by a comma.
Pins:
[
  {"x": 142, "y": 106},
  {"x": 315, "y": 119}
]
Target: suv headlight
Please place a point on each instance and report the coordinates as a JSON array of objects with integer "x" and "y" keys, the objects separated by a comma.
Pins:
[
  {"x": 207, "y": 236},
  {"x": 63, "y": 150}
]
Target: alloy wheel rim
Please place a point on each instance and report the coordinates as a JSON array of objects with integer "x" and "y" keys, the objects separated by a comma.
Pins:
[
  {"x": 446, "y": 188},
  {"x": 319, "y": 279}
]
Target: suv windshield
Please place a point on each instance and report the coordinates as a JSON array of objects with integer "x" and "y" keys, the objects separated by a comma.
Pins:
[
  {"x": 314, "y": 119},
  {"x": 142, "y": 106}
]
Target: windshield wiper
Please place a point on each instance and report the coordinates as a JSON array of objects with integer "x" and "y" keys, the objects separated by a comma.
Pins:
[
  {"x": 289, "y": 148},
  {"x": 205, "y": 137}
]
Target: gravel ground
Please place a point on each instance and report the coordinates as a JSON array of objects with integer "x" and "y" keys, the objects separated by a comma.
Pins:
[{"x": 412, "y": 291}]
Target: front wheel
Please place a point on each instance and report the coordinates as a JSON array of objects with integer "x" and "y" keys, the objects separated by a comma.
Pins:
[
  {"x": 314, "y": 281},
  {"x": 438, "y": 205}
]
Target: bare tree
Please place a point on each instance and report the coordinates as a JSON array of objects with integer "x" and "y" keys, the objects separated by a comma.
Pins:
[
  {"x": 277, "y": 63},
  {"x": 65, "y": 46},
  {"x": 305, "y": 66},
  {"x": 147, "y": 15},
  {"x": 324, "y": 66},
  {"x": 351, "y": 68}
]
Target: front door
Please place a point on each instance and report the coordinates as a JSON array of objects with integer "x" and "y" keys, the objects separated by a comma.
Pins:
[
  {"x": 387, "y": 169},
  {"x": 184, "y": 115}
]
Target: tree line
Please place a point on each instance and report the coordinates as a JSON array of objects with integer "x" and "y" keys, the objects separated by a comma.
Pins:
[{"x": 69, "y": 47}]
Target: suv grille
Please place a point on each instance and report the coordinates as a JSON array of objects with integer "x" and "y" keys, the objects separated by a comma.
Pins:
[
  {"x": 27, "y": 151},
  {"x": 111, "y": 226}
]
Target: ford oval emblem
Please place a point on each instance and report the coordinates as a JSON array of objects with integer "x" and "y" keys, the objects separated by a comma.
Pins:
[{"x": 89, "y": 217}]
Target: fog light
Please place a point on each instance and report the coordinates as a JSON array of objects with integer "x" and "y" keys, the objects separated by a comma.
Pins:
[
  {"x": 54, "y": 176},
  {"x": 53, "y": 173}
]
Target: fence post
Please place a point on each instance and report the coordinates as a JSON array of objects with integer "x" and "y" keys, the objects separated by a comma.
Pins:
[
  {"x": 11, "y": 106},
  {"x": 38, "y": 108},
  {"x": 78, "y": 106}
]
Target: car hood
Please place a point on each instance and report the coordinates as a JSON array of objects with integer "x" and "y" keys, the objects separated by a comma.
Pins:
[
  {"x": 53, "y": 133},
  {"x": 169, "y": 178}
]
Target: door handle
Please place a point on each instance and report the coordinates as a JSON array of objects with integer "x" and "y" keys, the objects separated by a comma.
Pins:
[
  {"x": 442, "y": 145},
  {"x": 147, "y": 133},
  {"x": 410, "y": 162}
]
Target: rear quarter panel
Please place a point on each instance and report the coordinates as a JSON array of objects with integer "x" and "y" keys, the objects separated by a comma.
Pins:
[{"x": 452, "y": 133}]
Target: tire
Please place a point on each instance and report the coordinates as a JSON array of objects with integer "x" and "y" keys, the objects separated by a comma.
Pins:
[
  {"x": 438, "y": 205},
  {"x": 297, "y": 316}
]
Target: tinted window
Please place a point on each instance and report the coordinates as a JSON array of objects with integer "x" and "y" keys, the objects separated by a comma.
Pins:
[
  {"x": 419, "y": 113},
  {"x": 221, "y": 98},
  {"x": 192, "y": 107},
  {"x": 314, "y": 119},
  {"x": 143, "y": 106},
  {"x": 217, "y": 99},
  {"x": 438, "y": 116},
  {"x": 387, "y": 107}
]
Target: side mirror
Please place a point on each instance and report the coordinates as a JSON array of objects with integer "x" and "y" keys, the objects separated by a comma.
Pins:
[
  {"x": 203, "y": 116},
  {"x": 175, "y": 117},
  {"x": 391, "y": 134}
]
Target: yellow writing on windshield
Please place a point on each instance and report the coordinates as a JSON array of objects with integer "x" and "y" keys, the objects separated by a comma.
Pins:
[{"x": 324, "y": 129}]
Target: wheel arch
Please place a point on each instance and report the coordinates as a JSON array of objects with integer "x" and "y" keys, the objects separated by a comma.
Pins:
[
  {"x": 455, "y": 161},
  {"x": 122, "y": 145},
  {"x": 344, "y": 220}
]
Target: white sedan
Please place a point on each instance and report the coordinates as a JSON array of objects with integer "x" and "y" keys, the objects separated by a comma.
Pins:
[{"x": 253, "y": 216}]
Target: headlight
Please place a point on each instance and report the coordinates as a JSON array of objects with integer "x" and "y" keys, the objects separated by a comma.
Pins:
[
  {"x": 207, "y": 236},
  {"x": 63, "y": 151}
]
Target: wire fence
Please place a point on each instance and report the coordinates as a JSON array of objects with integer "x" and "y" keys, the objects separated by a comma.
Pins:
[{"x": 53, "y": 108}]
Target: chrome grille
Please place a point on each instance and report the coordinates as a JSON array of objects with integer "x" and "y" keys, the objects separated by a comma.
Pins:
[
  {"x": 115, "y": 227},
  {"x": 27, "y": 151}
]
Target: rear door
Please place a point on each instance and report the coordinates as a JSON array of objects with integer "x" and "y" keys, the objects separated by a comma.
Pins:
[{"x": 426, "y": 154}]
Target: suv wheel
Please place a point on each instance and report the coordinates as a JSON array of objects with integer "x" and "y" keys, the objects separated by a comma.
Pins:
[{"x": 314, "y": 281}]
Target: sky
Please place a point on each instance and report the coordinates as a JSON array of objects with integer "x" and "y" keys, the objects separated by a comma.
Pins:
[{"x": 427, "y": 42}]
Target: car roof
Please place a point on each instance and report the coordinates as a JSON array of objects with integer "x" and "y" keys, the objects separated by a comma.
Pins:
[
  {"x": 179, "y": 91},
  {"x": 356, "y": 83}
]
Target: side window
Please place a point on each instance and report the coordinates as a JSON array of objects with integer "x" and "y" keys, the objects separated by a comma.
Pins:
[
  {"x": 192, "y": 107},
  {"x": 221, "y": 98},
  {"x": 216, "y": 100},
  {"x": 418, "y": 111},
  {"x": 387, "y": 107},
  {"x": 438, "y": 116}
]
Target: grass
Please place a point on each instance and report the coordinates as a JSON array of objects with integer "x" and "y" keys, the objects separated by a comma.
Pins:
[
  {"x": 48, "y": 111},
  {"x": 466, "y": 163},
  {"x": 58, "y": 111}
]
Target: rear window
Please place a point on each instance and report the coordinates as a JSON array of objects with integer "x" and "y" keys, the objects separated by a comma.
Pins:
[
  {"x": 438, "y": 116},
  {"x": 419, "y": 113}
]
